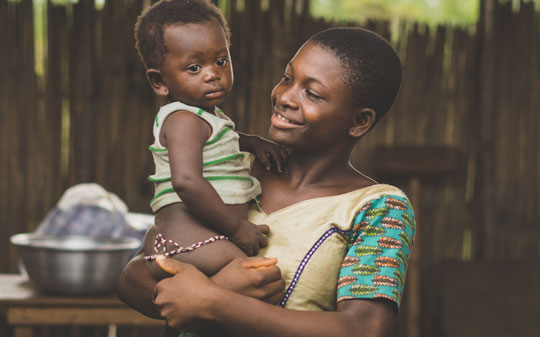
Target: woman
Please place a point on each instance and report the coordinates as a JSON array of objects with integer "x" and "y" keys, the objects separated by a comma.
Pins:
[{"x": 341, "y": 239}]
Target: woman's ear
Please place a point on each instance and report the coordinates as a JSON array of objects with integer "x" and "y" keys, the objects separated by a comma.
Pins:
[
  {"x": 157, "y": 82},
  {"x": 362, "y": 122}
]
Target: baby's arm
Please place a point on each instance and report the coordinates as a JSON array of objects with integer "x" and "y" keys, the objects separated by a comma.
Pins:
[
  {"x": 267, "y": 153},
  {"x": 184, "y": 134}
]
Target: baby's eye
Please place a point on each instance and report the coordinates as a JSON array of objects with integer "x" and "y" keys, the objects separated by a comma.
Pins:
[
  {"x": 222, "y": 62},
  {"x": 194, "y": 68}
]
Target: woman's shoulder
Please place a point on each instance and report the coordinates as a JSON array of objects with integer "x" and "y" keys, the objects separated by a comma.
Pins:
[
  {"x": 378, "y": 190},
  {"x": 366, "y": 197},
  {"x": 365, "y": 188}
]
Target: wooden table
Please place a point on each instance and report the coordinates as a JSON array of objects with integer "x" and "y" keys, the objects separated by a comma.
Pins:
[{"x": 23, "y": 306}]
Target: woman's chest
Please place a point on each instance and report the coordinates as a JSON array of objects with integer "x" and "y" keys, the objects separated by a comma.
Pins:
[{"x": 310, "y": 247}]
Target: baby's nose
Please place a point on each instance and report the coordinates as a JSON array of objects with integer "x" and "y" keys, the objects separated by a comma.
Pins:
[{"x": 212, "y": 74}]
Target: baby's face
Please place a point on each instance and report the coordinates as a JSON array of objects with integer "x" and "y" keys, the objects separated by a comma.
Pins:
[{"x": 197, "y": 67}]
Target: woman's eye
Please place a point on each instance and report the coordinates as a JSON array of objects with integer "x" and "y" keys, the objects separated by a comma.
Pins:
[
  {"x": 312, "y": 95},
  {"x": 285, "y": 78},
  {"x": 194, "y": 68},
  {"x": 222, "y": 62}
]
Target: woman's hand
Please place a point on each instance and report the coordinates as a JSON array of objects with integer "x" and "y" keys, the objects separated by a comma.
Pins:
[
  {"x": 263, "y": 283},
  {"x": 185, "y": 299}
]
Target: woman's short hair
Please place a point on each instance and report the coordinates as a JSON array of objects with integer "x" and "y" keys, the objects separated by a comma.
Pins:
[{"x": 372, "y": 67}]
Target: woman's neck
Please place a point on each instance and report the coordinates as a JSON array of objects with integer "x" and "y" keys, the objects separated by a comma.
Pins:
[
  {"x": 307, "y": 176},
  {"x": 313, "y": 169}
]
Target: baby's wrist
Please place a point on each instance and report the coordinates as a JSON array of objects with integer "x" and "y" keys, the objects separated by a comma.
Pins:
[
  {"x": 246, "y": 142},
  {"x": 231, "y": 227}
]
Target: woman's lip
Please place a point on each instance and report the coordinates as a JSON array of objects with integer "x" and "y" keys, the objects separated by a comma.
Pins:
[{"x": 278, "y": 121}]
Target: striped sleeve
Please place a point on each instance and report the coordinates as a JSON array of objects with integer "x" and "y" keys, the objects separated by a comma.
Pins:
[{"x": 380, "y": 246}]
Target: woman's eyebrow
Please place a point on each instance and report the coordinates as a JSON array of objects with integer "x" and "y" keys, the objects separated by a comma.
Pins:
[
  {"x": 289, "y": 65},
  {"x": 308, "y": 79}
]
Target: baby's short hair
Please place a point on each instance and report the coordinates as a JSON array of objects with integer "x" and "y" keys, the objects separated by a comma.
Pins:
[
  {"x": 153, "y": 20},
  {"x": 372, "y": 66}
]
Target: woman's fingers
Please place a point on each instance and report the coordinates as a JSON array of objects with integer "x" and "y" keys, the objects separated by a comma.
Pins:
[
  {"x": 274, "y": 291},
  {"x": 184, "y": 298},
  {"x": 259, "y": 262},
  {"x": 168, "y": 265},
  {"x": 277, "y": 296},
  {"x": 242, "y": 276}
]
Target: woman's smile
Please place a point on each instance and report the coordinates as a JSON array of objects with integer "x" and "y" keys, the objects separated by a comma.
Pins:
[{"x": 281, "y": 122}]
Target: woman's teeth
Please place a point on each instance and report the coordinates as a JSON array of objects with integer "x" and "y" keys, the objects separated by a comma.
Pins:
[{"x": 286, "y": 119}]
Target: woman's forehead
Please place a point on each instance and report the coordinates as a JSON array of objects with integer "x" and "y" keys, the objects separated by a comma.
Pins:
[{"x": 319, "y": 63}]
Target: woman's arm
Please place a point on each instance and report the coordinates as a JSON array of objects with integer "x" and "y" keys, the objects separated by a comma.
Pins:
[
  {"x": 136, "y": 285},
  {"x": 191, "y": 297},
  {"x": 249, "y": 317}
]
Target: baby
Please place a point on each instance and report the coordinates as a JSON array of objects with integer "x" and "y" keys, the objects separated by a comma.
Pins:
[{"x": 202, "y": 180}]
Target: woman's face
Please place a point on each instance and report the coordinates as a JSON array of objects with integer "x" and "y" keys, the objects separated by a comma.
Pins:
[{"x": 312, "y": 108}]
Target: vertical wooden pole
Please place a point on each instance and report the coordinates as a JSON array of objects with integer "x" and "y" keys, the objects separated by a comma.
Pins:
[
  {"x": 54, "y": 94},
  {"x": 83, "y": 110},
  {"x": 414, "y": 274},
  {"x": 5, "y": 148},
  {"x": 485, "y": 85}
]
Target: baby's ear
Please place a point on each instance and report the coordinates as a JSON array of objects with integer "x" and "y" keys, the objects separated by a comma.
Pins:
[
  {"x": 363, "y": 119},
  {"x": 157, "y": 82}
]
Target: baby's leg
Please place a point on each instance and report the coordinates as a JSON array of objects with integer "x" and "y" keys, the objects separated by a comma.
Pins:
[{"x": 175, "y": 222}]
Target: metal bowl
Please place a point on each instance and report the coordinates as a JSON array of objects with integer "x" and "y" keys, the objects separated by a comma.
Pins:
[{"x": 74, "y": 265}]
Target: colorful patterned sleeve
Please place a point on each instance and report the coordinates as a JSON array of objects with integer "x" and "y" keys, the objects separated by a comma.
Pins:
[{"x": 379, "y": 250}]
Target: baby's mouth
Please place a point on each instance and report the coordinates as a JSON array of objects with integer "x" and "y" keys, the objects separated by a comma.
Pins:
[{"x": 216, "y": 93}]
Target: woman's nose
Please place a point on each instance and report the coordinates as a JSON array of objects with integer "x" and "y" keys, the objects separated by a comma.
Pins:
[{"x": 286, "y": 97}]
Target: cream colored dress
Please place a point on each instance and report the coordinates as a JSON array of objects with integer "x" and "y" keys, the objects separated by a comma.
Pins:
[{"x": 312, "y": 238}]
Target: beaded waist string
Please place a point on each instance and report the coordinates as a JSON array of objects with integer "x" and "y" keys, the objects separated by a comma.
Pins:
[{"x": 160, "y": 246}]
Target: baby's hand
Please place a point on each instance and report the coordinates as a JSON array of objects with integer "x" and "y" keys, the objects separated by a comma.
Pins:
[
  {"x": 249, "y": 237},
  {"x": 269, "y": 153}
]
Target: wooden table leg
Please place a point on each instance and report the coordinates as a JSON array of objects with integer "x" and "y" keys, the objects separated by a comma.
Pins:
[
  {"x": 112, "y": 330},
  {"x": 22, "y": 331}
]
